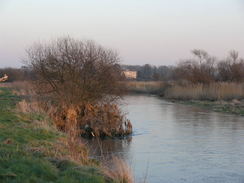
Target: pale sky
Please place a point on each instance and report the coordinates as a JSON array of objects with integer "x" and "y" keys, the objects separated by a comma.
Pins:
[{"x": 158, "y": 32}]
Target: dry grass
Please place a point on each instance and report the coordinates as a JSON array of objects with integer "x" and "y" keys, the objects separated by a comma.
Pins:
[
  {"x": 20, "y": 88},
  {"x": 32, "y": 108},
  {"x": 23, "y": 88},
  {"x": 92, "y": 119},
  {"x": 78, "y": 150},
  {"x": 118, "y": 170},
  {"x": 69, "y": 147},
  {"x": 29, "y": 107},
  {"x": 144, "y": 86},
  {"x": 106, "y": 120},
  {"x": 5, "y": 85},
  {"x": 75, "y": 150},
  {"x": 98, "y": 120},
  {"x": 213, "y": 91}
]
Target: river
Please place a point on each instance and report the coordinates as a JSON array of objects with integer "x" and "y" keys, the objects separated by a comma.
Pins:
[{"x": 174, "y": 143}]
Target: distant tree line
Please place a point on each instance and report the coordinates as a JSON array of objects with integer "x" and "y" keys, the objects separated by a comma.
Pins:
[
  {"x": 202, "y": 68},
  {"x": 149, "y": 72},
  {"x": 18, "y": 74}
]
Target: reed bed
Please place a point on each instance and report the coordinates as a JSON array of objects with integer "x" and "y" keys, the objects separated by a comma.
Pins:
[
  {"x": 213, "y": 91},
  {"x": 144, "y": 86},
  {"x": 100, "y": 120}
]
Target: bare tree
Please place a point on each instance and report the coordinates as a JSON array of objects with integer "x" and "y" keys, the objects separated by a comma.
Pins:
[
  {"x": 198, "y": 70},
  {"x": 201, "y": 54},
  {"x": 233, "y": 56},
  {"x": 232, "y": 68},
  {"x": 76, "y": 71}
]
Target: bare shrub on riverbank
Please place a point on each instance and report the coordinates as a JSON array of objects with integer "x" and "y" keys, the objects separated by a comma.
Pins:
[
  {"x": 118, "y": 170},
  {"x": 213, "y": 91},
  {"x": 73, "y": 75}
]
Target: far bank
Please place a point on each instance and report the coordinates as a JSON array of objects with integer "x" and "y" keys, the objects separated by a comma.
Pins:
[{"x": 227, "y": 97}]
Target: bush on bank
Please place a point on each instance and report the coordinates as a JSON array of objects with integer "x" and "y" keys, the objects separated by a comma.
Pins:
[{"x": 75, "y": 77}]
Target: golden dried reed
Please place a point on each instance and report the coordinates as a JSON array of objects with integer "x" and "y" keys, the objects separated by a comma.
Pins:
[
  {"x": 29, "y": 107},
  {"x": 75, "y": 149},
  {"x": 118, "y": 170},
  {"x": 144, "y": 86},
  {"x": 213, "y": 91}
]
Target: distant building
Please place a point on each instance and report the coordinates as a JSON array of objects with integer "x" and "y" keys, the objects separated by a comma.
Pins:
[{"x": 130, "y": 74}]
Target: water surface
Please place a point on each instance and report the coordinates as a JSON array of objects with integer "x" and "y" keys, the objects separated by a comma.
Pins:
[{"x": 174, "y": 143}]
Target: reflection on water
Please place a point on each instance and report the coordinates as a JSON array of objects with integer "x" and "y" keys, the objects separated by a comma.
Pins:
[
  {"x": 179, "y": 143},
  {"x": 104, "y": 148}
]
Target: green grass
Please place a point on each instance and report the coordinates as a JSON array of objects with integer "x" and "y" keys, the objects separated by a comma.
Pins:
[{"x": 18, "y": 164}]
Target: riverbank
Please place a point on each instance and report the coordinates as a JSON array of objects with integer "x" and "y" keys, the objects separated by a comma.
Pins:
[
  {"x": 146, "y": 87},
  {"x": 231, "y": 107},
  {"x": 219, "y": 97},
  {"x": 32, "y": 150}
]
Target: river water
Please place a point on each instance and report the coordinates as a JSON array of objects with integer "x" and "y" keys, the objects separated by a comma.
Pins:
[{"x": 174, "y": 143}]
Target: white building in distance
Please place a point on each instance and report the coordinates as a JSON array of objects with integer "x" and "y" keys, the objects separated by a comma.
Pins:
[{"x": 130, "y": 74}]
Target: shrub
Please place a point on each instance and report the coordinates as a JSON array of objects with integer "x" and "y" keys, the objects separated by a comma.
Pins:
[
  {"x": 198, "y": 70},
  {"x": 73, "y": 75},
  {"x": 231, "y": 69}
]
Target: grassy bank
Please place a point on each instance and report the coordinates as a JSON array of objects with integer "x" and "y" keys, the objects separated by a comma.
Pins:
[{"x": 31, "y": 151}]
